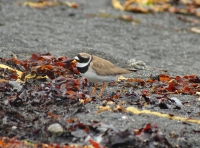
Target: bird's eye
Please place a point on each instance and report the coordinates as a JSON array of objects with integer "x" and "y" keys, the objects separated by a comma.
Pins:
[{"x": 82, "y": 59}]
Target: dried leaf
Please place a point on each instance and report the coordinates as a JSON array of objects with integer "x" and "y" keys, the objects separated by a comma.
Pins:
[
  {"x": 71, "y": 4},
  {"x": 95, "y": 144},
  {"x": 116, "y": 4},
  {"x": 195, "y": 30},
  {"x": 137, "y": 112},
  {"x": 19, "y": 73},
  {"x": 164, "y": 77},
  {"x": 103, "y": 108},
  {"x": 35, "y": 4}
]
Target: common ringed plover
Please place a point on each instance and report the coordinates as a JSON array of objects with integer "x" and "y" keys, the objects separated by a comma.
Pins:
[{"x": 96, "y": 70}]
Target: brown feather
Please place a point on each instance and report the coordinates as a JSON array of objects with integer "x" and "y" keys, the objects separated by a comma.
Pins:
[
  {"x": 85, "y": 55},
  {"x": 104, "y": 67}
]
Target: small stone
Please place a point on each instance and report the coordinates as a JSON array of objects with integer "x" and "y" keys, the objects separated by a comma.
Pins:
[
  {"x": 173, "y": 134},
  {"x": 6, "y": 102},
  {"x": 56, "y": 129},
  {"x": 137, "y": 64},
  {"x": 16, "y": 85},
  {"x": 198, "y": 93},
  {"x": 14, "y": 128},
  {"x": 42, "y": 85},
  {"x": 124, "y": 117},
  {"x": 177, "y": 102},
  {"x": 5, "y": 120}
]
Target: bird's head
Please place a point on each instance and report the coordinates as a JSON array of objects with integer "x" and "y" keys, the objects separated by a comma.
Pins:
[{"x": 82, "y": 60}]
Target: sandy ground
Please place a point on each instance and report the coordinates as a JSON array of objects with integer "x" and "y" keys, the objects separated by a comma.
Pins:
[{"x": 160, "y": 40}]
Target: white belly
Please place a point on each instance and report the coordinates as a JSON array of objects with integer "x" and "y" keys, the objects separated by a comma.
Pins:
[{"x": 93, "y": 77}]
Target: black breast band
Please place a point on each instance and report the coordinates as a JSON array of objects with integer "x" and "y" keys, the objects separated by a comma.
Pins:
[{"x": 83, "y": 69}]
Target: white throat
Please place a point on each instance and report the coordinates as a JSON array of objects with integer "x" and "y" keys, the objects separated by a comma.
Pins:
[{"x": 83, "y": 64}]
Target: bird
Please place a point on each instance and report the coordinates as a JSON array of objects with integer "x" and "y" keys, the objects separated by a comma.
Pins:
[{"x": 98, "y": 70}]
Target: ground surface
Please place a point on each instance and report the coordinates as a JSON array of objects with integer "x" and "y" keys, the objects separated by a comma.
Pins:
[{"x": 155, "y": 41}]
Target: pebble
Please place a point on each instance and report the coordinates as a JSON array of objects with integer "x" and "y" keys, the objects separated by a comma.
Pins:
[
  {"x": 56, "y": 129},
  {"x": 14, "y": 127},
  {"x": 177, "y": 102},
  {"x": 16, "y": 85}
]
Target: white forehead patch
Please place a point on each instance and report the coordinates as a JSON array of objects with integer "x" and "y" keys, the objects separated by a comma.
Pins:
[{"x": 76, "y": 58}]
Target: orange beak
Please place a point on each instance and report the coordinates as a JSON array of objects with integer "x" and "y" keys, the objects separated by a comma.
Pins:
[{"x": 74, "y": 61}]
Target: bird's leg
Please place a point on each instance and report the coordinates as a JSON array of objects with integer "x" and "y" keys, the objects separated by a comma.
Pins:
[
  {"x": 102, "y": 89},
  {"x": 94, "y": 89}
]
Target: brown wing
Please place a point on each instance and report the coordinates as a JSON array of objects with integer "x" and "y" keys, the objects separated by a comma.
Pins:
[{"x": 104, "y": 67}]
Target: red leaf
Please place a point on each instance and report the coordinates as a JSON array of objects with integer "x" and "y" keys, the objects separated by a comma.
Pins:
[
  {"x": 70, "y": 92},
  {"x": 16, "y": 61},
  {"x": 171, "y": 87},
  {"x": 164, "y": 77},
  {"x": 34, "y": 57},
  {"x": 179, "y": 79},
  {"x": 94, "y": 144},
  {"x": 46, "y": 58},
  {"x": 59, "y": 64},
  {"x": 146, "y": 128}
]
